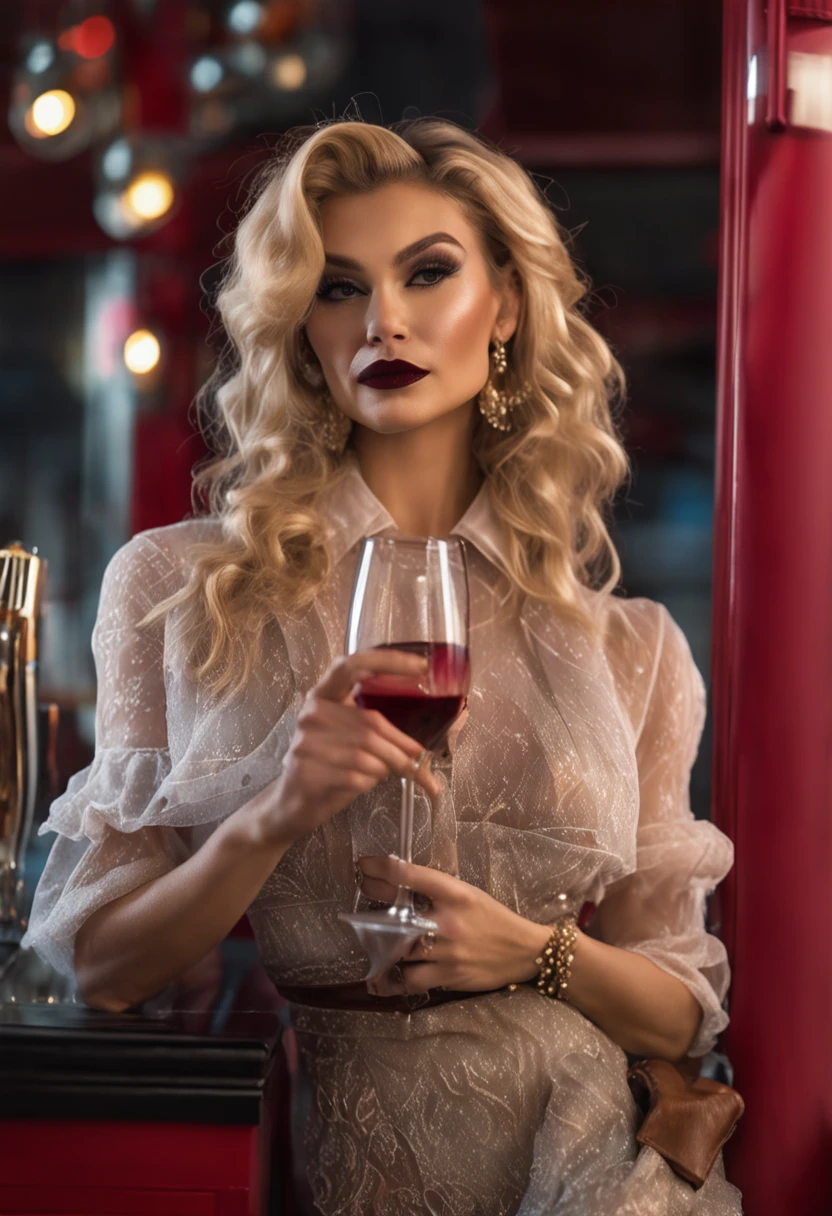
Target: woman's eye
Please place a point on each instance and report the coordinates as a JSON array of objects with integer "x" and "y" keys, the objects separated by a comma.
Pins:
[
  {"x": 436, "y": 273},
  {"x": 441, "y": 271},
  {"x": 326, "y": 289}
]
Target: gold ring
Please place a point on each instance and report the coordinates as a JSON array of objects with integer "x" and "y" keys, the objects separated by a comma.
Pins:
[{"x": 428, "y": 940}]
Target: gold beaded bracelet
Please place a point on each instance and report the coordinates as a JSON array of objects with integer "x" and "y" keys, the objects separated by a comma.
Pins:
[
  {"x": 556, "y": 956},
  {"x": 559, "y": 951}
]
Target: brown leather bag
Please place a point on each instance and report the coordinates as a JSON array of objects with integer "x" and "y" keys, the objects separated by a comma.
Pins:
[{"x": 687, "y": 1120}]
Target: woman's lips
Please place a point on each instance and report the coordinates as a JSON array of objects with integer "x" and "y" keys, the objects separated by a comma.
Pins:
[
  {"x": 399, "y": 380},
  {"x": 394, "y": 379}
]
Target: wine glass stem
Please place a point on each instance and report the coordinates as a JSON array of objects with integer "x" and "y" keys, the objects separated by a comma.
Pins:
[{"x": 404, "y": 896}]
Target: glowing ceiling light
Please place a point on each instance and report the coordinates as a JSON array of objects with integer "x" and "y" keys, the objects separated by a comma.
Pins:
[
  {"x": 142, "y": 352},
  {"x": 289, "y": 72},
  {"x": 60, "y": 104},
  {"x": 50, "y": 113},
  {"x": 150, "y": 195},
  {"x": 138, "y": 184}
]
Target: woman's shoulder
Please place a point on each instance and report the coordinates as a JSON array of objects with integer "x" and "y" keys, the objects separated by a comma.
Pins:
[
  {"x": 639, "y": 635},
  {"x": 176, "y": 541},
  {"x": 171, "y": 545},
  {"x": 156, "y": 563}
]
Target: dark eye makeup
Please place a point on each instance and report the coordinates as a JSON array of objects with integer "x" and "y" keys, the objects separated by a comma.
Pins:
[{"x": 436, "y": 266}]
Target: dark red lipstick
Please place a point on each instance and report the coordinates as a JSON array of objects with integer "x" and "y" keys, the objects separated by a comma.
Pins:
[{"x": 391, "y": 373}]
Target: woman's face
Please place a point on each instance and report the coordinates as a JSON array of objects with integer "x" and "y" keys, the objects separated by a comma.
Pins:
[{"x": 406, "y": 279}]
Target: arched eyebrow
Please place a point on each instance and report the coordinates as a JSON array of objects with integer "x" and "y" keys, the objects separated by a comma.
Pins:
[{"x": 404, "y": 255}]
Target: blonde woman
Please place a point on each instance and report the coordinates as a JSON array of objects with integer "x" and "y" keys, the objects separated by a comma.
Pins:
[{"x": 234, "y": 772}]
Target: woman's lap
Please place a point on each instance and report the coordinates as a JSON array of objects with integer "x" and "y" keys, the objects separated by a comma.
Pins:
[{"x": 438, "y": 1112}]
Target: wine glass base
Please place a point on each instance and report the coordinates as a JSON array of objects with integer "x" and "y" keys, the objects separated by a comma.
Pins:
[{"x": 387, "y": 936}]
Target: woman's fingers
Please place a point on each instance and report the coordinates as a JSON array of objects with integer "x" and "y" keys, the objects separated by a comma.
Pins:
[
  {"x": 424, "y": 777},
  {"x": 377, "y": 888},
  {"x": 363, "y": 751},
  {"x": 368, "y": 732},
  {"x": 360, "y": 747},
  {"x": 375, "y": 759},
  {"x": 436, "y": 884},
  {"x": 347, "y": 671},
  {"x": 421, "y": 977},
  {"x": 352, "y": 722}
]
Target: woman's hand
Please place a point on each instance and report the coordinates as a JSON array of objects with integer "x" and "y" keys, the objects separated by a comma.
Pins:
[
  {"x": 338, "y": 750},
  {"x": 480, "y": 943}
]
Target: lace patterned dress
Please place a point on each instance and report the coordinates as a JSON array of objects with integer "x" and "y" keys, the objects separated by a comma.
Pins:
[{"x": 569, "y": 777}]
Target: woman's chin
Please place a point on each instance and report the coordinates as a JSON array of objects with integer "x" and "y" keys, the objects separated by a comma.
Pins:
[
  {"x": 394, "y": 421},
  {"x": 397, "y": 417}
]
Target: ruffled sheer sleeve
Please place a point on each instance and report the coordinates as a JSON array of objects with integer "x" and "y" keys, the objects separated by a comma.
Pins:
[
  {"x": 659, "y": 910},
  {"x": 93, "y": 862}
]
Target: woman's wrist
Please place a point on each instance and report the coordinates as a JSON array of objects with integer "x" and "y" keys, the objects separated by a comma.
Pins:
[
  {"x": 532, "y": 938},
  {"x": 261, "y": 825}
]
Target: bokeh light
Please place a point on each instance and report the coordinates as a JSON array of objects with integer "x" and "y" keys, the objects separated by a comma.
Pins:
[
  {"x": 244, "y": 16},
  {"x": 150, "y": 195},
  {"x": 142, "y": 352},
  {"x": 90, "y": 39},
  {"x": 50, "y": 113},
  {"x": 40, "y": 57},
  {"x": 206, "y": 73},
  {"x": 138, "y": 184},
  {"x": 289, "y": 72}
]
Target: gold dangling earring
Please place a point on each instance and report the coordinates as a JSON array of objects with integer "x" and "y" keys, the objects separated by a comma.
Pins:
[
  {"x": 335, "y": 424},
  {"x": 495, "y": 403},
  {"x": 336, "y": 427}
]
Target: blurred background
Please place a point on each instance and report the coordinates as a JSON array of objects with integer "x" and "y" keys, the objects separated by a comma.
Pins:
[{"x": 129, "y": 135}]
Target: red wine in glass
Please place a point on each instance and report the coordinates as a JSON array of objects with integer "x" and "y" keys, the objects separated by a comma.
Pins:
[{"x": 423, "y": 713}]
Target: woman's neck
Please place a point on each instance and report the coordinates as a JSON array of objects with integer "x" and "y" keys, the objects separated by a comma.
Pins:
[{"x": 426, "y": 477}]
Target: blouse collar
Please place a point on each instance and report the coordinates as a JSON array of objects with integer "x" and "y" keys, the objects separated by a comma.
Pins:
[{"x": 354, "y": 512}]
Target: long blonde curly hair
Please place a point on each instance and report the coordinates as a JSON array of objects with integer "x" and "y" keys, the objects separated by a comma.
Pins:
[{"x": 550, "y": 479}]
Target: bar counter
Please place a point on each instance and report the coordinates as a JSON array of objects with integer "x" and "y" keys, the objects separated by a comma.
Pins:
[{"x": 178, "y": 1106}]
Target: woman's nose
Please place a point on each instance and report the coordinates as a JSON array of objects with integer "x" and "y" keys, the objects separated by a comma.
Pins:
[{"x": 385, "y": 317}]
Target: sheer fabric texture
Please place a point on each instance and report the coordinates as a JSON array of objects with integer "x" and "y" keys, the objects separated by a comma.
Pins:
[{"x": 570, "y": 777}]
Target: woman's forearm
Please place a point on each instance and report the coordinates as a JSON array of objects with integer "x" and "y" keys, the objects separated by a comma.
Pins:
[
  {"x": 134, "y": 946},
  {"x": 641, "y": 1007}
]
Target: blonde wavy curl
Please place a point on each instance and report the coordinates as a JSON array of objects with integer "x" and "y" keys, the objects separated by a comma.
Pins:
[{"x": 550, "y": 478}]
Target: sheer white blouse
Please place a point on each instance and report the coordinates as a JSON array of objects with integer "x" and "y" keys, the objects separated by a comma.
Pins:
[{"x": 569, "y": 777}]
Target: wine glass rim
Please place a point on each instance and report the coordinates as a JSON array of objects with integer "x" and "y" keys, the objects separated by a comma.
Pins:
[{"x": 415, "y": 542}]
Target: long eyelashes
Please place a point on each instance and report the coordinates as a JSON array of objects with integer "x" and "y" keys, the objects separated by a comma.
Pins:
[{"x": 444, "y": 269}]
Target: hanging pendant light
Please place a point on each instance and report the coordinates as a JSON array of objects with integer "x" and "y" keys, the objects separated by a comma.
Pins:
[
  {"x": 64, "y": 95},
  {"x": 138, "y": 184}
]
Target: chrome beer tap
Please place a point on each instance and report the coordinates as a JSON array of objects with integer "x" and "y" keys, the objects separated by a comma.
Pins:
[{"x": 22, "y": 583}]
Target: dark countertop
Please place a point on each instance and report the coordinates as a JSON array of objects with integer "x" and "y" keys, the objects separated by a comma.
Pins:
[{"x": 201, "y": 1051}]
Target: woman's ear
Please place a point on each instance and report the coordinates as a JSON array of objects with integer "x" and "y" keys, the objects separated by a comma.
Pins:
[{"x": 511, "y": 295}]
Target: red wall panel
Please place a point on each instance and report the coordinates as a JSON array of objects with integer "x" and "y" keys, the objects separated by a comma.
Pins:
[{"x": 772, "y": 661}]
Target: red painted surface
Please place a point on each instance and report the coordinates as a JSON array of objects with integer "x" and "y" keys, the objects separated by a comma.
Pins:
[
  {"x": 772, "y": 673},
  {"x": 56, "y": 1167}
]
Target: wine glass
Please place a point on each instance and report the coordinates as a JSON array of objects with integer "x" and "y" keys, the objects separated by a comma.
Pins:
[{"x": 409, "y": 594}]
